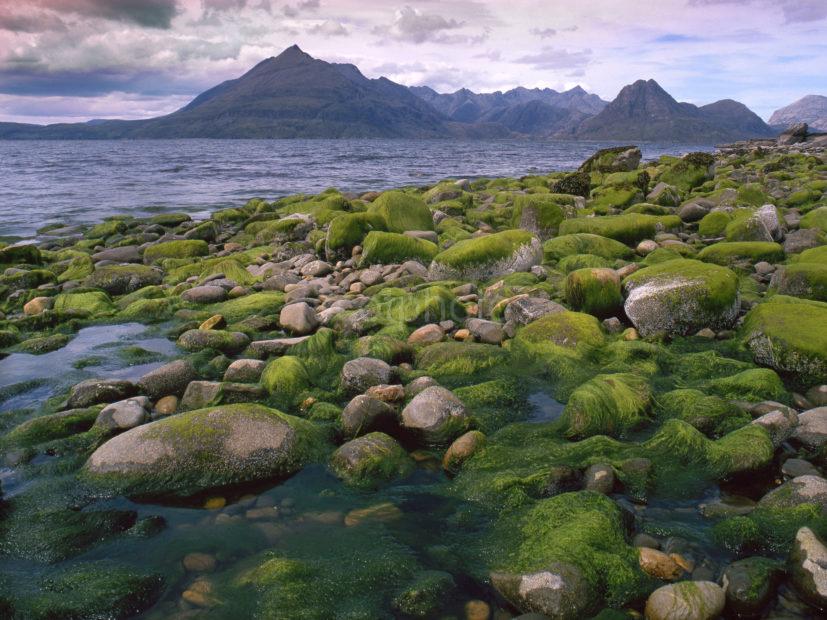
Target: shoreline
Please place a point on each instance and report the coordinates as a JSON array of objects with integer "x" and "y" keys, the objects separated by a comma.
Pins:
[{"x": 351, "y": 368}]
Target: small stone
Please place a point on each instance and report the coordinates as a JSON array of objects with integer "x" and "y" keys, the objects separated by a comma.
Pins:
[
  {"x": 485, "y": 331},
  {"x": 199, "y": 562},
  {"x": 382, "y": 513},
  {"x": 166, "y": 405},
  {"x": 262, "y": 513},
  {"x": 387, "y": 393},
  {"x": 419, "y": 384},
  {"x": 630, "y": 334},
  {"x": 215, "y": 503},
  {"x": 462, "y": 334},
  {"x": 216, "y": 321},
  {"x": 206, "y": 294},
  {"x": 658, "y": 564},
  {"x": 706, "y": 333},
  {"x": 124, "y": 415},
  {"x": 477, "y": 610},
  {"x": 364, "y": 414},
  {"x": 38, "y": 305},
  {"x": 463, "y": 448},
  {"x": 647, "y": 246},
  {"x": 599, "y": 478},
  {"x": 613, "y": 325},
  {"x": 245, "y": 371},
  {"x": 817, "y": 395},
  {"x": 298, "y": 318},
  {"x": 427, "y": 334}
]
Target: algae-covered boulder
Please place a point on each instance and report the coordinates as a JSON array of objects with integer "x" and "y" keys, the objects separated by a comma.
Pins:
[
  {"x": 428, "y": 305},
  {"x": 613, "y": 159},
  {"x": 348, "y": 230},
  {"x": 594, "y": 291},
  {"x": 540, "y": 214},
  {"x": 487, "y": 257},
  {"x": 203, "y": 449},
  {"x": 566, "y": 557},
  {"x": 788, "y": 335},
  {"x": 24, "y": 254},
  {"x": 370, "y": 460},
  {"x": 285, "y": 378},
  {"x": 385, "y": 248},
  {"x": 808, "y": 280},
  {"x": 687, "y": 173},
  {"x": 122, "y": 279},
  {"x": 695, "y": 600},
  {"x": 680, "y": 297},
  {"x": 401, "y": 211},
  {"x": 728, "y": 252},
  {"x": 90, "y": 304},
  {"x": 219, "y": 340},
  {"x": 627, "y": 228},
  {"x": 607, "y": 405},
  {"x": 182, "y": 248},
  {"x": 585, "y": 243}
]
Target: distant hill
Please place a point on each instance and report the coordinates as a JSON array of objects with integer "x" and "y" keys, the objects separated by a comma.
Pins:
[
  {"x": 644, "y": 111},
  {"x": 294, "y": 95},
  {"x": 811, "y": 109}
]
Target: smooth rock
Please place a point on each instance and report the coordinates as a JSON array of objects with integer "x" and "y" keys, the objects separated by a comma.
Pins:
[{"x": 435, "y": 415}]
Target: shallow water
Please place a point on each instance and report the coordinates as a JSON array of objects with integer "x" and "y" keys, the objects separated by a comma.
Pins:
[{"x": 67, "y": 182}]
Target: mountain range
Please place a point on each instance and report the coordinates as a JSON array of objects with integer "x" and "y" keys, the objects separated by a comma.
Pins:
[
  {"x": 294, "y": 95},
  {"x": 811, "y": 109}
]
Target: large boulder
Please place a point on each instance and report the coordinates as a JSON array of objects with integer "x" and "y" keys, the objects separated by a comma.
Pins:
[
  {"x": 436, "y": 416},
  {"x": 487, "y": 257},
  {"x": 169, "y": 379},
  {"x": 788, "y": 335},
  {"x": 203, "y": 449},
  {"x": 680, "y": 297},
  {"x": 298, "y": 318},
  {"x": 94, "y": 391}
]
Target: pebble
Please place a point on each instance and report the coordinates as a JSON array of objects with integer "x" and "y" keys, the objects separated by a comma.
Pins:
[{"x": 199, "y": 562}]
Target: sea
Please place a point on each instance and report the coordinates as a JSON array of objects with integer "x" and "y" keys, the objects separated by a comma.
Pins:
[{"x": 75, "y": 182}]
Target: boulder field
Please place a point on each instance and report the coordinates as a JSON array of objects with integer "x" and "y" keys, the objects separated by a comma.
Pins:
[{"x": 598, "y": 393}]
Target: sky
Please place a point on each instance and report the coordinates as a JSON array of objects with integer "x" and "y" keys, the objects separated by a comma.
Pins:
[{"x": 72, "y": 60}]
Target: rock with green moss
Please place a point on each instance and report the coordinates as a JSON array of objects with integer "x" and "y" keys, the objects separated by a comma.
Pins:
[
  {"x": 808, "y": 567},
  {"x": 115, "y": 226},
  {"x": 817, "y": 218},
  {"x": 612, "y": 159},
  {"x": 217, "y": 339},
  {"x": 608, "y": 405},
  {"x": 808, "y": 280},
  {"x": 428, "y": 305},
  {"x": 182, "y": 248},
  {"x": 788, "y": 335},
  {"x": 594, "y": 291},
  {"x": 435, "y": 416},
  {"x": 424, "y": 597},
  {"x": 78, "y": 268},
  {"x": 698, "y": 600},
  {"x": 754, "y": 384},
  {"x": 286, "y": 379},
  {"x": 750, "y": 584},
  {"x": 25, "y": 254},
  {"x": 461, "y": 361},
  {"x": 348, "y": 230},
  {"x": 762, "y": 224},
  {"x": 585, "y": 243},
  {"x": 689, "y": 172},
  {"x": 729, "y": 252},
  {"x": 710, "y": 414},
  {"x": 565, "y": 557},
  {"x": 96, "y": 589},
  {"x": 51, "y": 426},
  {"x": 204, "y": 449},
  {"x": 371, "y": 460},
  {"x": 262, "y": 303},
  {"x": 383, "y": 248},
  {"x": 402, "y": 211},
  {"x": 540, "y": 214},
  {"x": 680, "y": 297},
  {"x": 44, "y": 344},
  {"x": 123, "y": 279},
  {"x": 90, "y": 304},
  {"x": 714, "y": 223},
  {"x": 628, "y": 228},
  {"x": 487, "y": 257}
]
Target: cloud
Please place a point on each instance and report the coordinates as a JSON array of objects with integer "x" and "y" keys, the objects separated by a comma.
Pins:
[
  {"x": 414, "y": 26},
  {"x": 556, "y": 58},
  {"x": 147, "y": 13},
  {"x": 92, "y": 83},
  {"x": 294, "y": 10},
  {"x": 34, "y": 21},
  {"x": 794, "y": 11},
  {"x": 543, "y": 33},
  {"x": 223, "y": 5},
  {"x": 329, "y": 28}
]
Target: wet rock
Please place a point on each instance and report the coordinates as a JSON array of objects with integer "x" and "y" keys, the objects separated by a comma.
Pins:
[
  {"x": 800, "y": 490},
  {"x": 370, "y": 460},
  {"x": 808, "y": 568},
  {"x": 462, "y": 448},
  {"x": 599, "y": 478},
  {"x": 561, "y": 591},
  {"x": 793, "y": 468},
  {"x": 812, "y": 428},
  {"x": 485, "y": 331},
  {"x": 427, "y": 334},
  {"x": 426, "y": 595},
  {"x": 419, "y": 384},
  {"x": 658, "y": 564},
  {"x": 124, "y": 414},
  {"x": 208, "y": 448},
  {"x": 527, "y": 309},
  {"x": 687, "y": 600},
  {"x": 299, "y": 319},
  {"x": 364, "y": 414},
  {"x": 199, "y": 562},
  {"x": 206, "y": 294},
  {"x": 435, "y": 415},
  {"x": 780, "y": 424},
  {"x": 363, "y": 372},
  {"x": 817, "y": 395},
  {"x": 169, "y": 379},
  {"x": 201, "y": 394},
  {"x": 245, "y": 371},
  {"x": 749, "y": 585},
  {"x": 201, "y": 339},
  {"x": 94, "y": 391}
]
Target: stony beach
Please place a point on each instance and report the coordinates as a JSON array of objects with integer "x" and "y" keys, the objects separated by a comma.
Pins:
[{"x": 599, "y": 393}]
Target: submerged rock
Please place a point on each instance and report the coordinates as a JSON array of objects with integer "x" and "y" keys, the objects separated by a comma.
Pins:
[
  {"x": 204, "y": 449},
  {"x": 688, "y": 600}
]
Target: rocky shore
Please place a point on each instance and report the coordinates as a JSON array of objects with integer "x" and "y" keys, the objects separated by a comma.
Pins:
[{"x": 352, "y": 429}]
